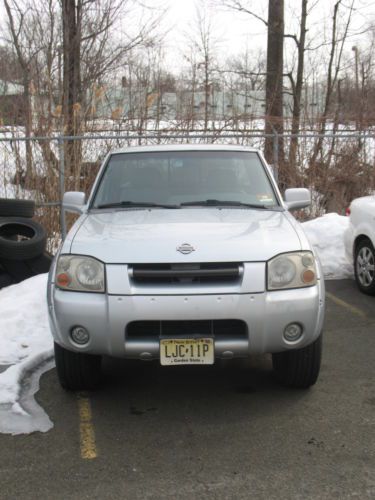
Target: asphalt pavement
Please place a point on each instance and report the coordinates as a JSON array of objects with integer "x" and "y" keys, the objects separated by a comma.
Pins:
[{"x": 223, "y": 432}]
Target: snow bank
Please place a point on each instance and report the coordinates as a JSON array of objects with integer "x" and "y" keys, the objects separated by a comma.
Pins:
[
  {"x": 25, "y": 337},
  {"x": 24, "y": 329},
  {"x": 327, "y": 235}
]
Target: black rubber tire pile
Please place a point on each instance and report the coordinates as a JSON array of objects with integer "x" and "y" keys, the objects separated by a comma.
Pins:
[{"x": 22, "y": 242}]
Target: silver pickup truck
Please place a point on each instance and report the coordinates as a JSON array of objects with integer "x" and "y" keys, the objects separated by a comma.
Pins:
[{"x": 186, "y": 254}]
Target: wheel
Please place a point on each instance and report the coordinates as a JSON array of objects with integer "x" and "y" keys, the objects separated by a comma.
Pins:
[
  {"x": 77, "y": 371},
  {"x": 16, "y": 208},
  {"x": 21, "y": 239},
  {"x": 299, "y": 368},
  {"x": 364, "y": 266}
]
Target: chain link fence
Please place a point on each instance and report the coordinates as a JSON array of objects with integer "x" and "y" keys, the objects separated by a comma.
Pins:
[{"x": 337, "y": 167}]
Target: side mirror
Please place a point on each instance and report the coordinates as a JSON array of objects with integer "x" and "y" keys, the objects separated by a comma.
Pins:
[
  {"x": 74, "y": 201},
  {"x": 297, "y": 198}
]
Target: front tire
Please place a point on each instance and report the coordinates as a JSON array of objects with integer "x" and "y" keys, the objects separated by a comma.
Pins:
[
  {"x": 364, "y": 266},
  {"x": 299, "y": 368},
  {"x": 77, "y": 371}
]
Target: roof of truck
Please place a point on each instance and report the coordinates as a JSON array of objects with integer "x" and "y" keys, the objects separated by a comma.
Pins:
[{"x": 184, "y": 147}]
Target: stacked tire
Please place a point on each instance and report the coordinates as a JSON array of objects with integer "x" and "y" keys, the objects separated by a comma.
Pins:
[{"x": 22, "y": 242}]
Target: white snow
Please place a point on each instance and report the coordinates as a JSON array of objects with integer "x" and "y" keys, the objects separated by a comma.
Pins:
[
  {"x": 25, "y": 344},
  {"x": 26, "y": 341},
  {"x": 326, "y": 234}
]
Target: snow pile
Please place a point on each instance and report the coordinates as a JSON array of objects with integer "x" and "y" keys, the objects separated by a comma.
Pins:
[
  {"x": 25, "y": 341},
  {"x": 327, "y": 235}
]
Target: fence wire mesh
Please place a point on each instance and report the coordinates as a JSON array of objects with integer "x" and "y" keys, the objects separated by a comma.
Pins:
[{"x": 337, "y": 167}]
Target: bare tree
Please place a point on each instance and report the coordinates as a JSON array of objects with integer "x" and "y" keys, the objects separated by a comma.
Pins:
[
  {"x": 90, "y": 52},
  {"x": 88, "y": 49},
  {"x": 9, "y": 68},
  {"x": 333, "y": 167},
  {"x": 202, "y": 45},
  {"x": 274, "y": 84},
  {"x": 25, "y": 56},
  {"x": 249, "y": 68},
  {"x": 334, "y": 66},
  {"x": 297, "y": 85},
  {"x": 274, "y": 121}
]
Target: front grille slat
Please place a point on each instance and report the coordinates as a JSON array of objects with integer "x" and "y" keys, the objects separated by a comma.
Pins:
[{"x": 185, "y": 273}]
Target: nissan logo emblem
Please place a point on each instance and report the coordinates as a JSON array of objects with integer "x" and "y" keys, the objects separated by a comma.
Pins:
[{"x": 185, "y": 248}]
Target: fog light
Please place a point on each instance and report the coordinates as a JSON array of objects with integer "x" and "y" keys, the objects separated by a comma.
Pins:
[
  {"x": 80, "y": 335},
  {"x": 293, "y": 332}
]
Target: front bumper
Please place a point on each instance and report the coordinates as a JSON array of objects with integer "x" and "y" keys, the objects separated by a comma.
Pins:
[{"x": 265, "y": 314}]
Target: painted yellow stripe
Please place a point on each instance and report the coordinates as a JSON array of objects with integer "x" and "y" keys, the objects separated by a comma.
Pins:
[
  {"x": 86, "y": 428},
  {"x": 347, "y": 306}
]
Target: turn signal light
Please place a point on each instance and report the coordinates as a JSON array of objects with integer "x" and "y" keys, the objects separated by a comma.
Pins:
[
  {"x": 308, "y": 276},
  {"x": 63, "y": 280}
]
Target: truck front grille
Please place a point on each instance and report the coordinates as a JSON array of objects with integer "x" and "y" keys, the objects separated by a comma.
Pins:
[{"x": 207, "y": 273}]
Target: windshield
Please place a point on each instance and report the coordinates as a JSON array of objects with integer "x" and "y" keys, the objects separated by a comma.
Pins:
[{"x": 178, "y": 178}]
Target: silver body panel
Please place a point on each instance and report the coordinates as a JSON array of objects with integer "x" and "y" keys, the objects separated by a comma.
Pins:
[
  {"x": 225, "y": 235},
  {"x": 265, "y": 314}
]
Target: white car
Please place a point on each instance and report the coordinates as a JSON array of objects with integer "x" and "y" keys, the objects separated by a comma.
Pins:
[{"x": 360, "y": 242}]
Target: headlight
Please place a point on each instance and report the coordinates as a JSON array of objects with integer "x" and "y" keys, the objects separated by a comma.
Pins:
[
  {"x": 291, "y": 270},
  {"x": 80, "y": 273}
]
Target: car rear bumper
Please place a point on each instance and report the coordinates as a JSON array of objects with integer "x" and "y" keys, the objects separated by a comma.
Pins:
[{"x": 263, "y": 315}]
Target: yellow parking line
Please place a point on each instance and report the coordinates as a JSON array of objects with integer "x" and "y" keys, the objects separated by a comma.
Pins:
[
  {"x": 347, "y": 306},
  {"x": 86, "y": 428}
]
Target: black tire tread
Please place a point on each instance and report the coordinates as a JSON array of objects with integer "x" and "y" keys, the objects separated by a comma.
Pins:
[
  {"x": 77, "y": 371},
  {"x": 26, "y": 249},
  {"x": 299, "y": 368},
  {"x": 22, "y": 270},
  {"x": 10, "y": 207}
]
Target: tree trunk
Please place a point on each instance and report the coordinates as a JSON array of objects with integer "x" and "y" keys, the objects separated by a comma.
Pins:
[
  {"x": 331, "y": 80},
  {"x": 27, "y": 178},
  {"x": 72, "y": 93},
  {"x": 274, "y": 84},
  {"x": 206, "y": 91},
  {"x": 28, "y": 131},
  {"x": 297, "y": 95}
]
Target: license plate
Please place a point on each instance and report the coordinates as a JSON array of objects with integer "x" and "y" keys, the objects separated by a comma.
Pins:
[{"x": 187, "y": 351}]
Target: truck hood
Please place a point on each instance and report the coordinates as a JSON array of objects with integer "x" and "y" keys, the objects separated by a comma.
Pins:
[{"x": 217, "y": 235}]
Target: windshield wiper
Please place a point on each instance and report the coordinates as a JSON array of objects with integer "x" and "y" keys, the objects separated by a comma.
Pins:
[
  {"x": 197, "y": 203},
  {"x": 220, "y": 203},
  {"x": 141, "y": 204}
]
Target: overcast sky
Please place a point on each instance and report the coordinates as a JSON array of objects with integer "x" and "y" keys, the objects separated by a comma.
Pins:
[{"x": 236, "y": 30}]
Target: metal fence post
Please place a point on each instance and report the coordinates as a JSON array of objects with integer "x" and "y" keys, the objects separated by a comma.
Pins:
[
  {"x": 276, "y": 155},
  {"x": 62, "y": 185}
]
